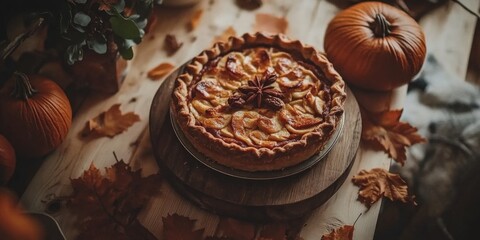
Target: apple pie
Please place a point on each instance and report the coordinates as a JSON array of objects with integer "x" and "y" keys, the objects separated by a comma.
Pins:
[{"x": 259, "y": 102}]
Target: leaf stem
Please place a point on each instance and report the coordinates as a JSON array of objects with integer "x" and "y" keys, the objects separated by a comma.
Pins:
[
  {"x": 105, "y": 209},
  {"x": 116, "y": 158}
]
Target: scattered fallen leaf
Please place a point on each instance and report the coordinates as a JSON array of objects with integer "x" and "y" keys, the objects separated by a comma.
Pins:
[
  {"x": 111, "y": 122},
  {"x": 107, "y": 206},
  {"x": 195, "y": 20},
  {"x": 14, "y": 223},
  {"x": 171, "y": 44},
  {"x": 378, "y": 183},
  {"x": 268, "y": 23},
  {"x": 180, "y": 227},
  {"x": 249, "y": 4},
  {"x": 160, "y": 71},
  {"x": 225, "y": 35},
  {"x": 385, "y": 130},
  {"x": 344, "y": 232},
  {"x": 236, "y": 229}
]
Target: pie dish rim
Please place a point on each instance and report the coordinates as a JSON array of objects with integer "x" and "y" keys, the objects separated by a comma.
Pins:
[{"x": 257, "y": 175}]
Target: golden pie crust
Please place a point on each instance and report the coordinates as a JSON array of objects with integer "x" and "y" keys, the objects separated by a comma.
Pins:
[{"x": 259, "y": 102}]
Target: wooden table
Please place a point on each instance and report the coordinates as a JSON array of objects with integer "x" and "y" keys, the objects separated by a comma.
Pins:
[{"x": 449, "y": 32}]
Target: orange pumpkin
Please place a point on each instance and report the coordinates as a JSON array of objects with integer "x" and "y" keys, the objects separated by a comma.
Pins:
[
  {"x": 7, "y": 160},
  {"x": 14, "y": 223},
  {"x": 375, "y": 46},
  {"x": 35, "y": 115}
]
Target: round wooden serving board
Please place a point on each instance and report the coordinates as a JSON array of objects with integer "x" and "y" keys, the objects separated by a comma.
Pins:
[{"x": 263, "y": 200}]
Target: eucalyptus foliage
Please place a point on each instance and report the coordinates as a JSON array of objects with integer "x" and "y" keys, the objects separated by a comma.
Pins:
[{"x": 92, "y": 23}]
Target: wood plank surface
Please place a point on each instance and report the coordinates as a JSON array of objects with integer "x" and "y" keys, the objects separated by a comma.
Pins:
[{"x": 449, "y": 32}]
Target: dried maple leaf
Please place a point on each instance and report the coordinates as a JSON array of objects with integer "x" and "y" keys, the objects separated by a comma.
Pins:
[
  {"x": 344, "y": 232},
  {"x": 385, "y": 130},
  {"x": 171, "y": 44},
  {"x": 160, "y": 71},
  {"x": 225, "y": 35},
  {"x": 378, "y": 183},
  {"x": 107, "y": 206},
  {"x": 111, "y": 122},
  {"x": 268, "y": 23},
  {"x": 195, "y": 20},
  {"x": 180, "y": 227}
]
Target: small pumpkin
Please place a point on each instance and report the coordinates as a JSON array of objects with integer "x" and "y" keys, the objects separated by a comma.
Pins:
[
  {"x": 15, "y": 224},
  {"x": 35, "y": 114},
  {"x": 375, "y": 46},
  {"x": 7, "y": 160}
]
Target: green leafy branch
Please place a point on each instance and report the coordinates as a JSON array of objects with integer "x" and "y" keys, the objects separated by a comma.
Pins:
[{"x": 90, "y": 23}]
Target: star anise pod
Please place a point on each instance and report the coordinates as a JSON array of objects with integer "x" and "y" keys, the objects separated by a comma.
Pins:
[{"x": 259, "y": 91}]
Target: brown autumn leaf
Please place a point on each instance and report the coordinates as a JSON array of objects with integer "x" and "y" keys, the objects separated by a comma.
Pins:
[
  {"x": 111, "y": 122},
  {"x": 230, "y": 31},
  {"x": 384, "y": 130},
  {"x": 14, "y": 223},
  {"x": 268, "y": 23},
  {"x": 180, "y": 227},
  {"x": 378, "y": 183},
  {"x": 344, "y": 232},
  {"x": 171, "y": 44},
  {"x": 160, "y": 71},
  {"x": 107, "y": 206},
  {"x": 195, "y": 20}
]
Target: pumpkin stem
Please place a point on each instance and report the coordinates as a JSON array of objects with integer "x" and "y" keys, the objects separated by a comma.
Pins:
[
  {"x": 380, "y": 26},
  {"x": 22, "y": 88}
]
